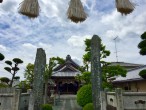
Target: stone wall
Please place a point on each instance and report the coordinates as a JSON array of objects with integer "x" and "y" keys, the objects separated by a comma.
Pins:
[
  {"x": 126, "y": 100},
  {"x": 134, "y": 100}
]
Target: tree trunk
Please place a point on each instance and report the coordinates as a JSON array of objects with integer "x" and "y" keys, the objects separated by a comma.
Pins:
[
  {"x": 11, "y": 82},
  {"x": 13, "y": 75}
]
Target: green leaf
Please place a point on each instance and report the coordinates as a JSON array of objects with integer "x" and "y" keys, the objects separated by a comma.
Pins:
[
  {"x": 8, "y": 69},
  {"x": 8, "y": 62},
  {"x": 143, "y": 36},
  {"x": 5, "y": 79},
  {"x": 142, "y": 44},
  {"x": 1, "y": 57},
  {"x": 143, "y": 51},
  {"x": 17, "y": 60}
]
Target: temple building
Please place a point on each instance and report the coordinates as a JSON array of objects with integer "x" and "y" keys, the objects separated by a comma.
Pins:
[{"x": 64, "y": 77}]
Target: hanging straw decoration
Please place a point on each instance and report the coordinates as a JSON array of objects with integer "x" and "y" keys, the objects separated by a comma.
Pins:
[
  {"x": 76, "y": 11},
  {"x": 29, "y": 8},
  {"x": 125, "y": 6},
  {"x": 1, "y": 1}
]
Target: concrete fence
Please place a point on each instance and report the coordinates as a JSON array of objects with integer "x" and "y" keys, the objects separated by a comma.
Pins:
[
  {"x": 12, "y": 99},
  {"x": 120, "y": 100}
]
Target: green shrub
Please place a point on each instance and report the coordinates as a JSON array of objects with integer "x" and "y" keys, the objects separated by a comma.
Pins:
[
  {"x": 142, "y": 73},
  {"x": 88, "y": 106},
  {"x": 47, "y": 107},
  {"x": 3, "y": 85},
  {"x": 84, "y": 95}
]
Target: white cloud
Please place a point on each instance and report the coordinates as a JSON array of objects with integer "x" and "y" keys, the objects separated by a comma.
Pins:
[
  {"x": 3, "y": 48},
  {"x": 78, "y": 41},
  {"x": 29, "y": 46}
]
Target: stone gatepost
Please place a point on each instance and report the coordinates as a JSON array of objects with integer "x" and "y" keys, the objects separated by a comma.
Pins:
[
  {"x": 96, "y": 71},
  {"x": 37, "y": 92}
]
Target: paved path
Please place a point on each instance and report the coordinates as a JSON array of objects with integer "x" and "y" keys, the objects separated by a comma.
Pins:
[{"x": 67, "y": 102}]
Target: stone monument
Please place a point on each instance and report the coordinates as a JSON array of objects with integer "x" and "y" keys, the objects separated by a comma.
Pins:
[
  {"x": 96, "y": 71},
  {"x": 36, "y": 98}
]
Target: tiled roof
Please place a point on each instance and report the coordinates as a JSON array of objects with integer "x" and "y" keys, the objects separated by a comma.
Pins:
[
  {"x": 124, "y": 64},
  {"x": 131, "y": 75},
  {"x": 68, "y": 62}
]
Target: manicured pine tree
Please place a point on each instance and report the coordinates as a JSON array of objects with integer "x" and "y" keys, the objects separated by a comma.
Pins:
[{"x": 13, "y": 69}]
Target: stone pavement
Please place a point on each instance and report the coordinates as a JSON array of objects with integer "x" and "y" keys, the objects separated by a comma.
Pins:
[{"x": 66, "y": 102}]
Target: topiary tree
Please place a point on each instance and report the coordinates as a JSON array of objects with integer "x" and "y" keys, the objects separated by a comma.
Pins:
[
  {"x": 142, "y": 44},
  {"x": 84, "y": 95},
  {"x": 1, "y": 56},
  {"x": 142, "y": 47},
  {"x": 88, "y": 106},
  {"x": 13, "y": 69}
]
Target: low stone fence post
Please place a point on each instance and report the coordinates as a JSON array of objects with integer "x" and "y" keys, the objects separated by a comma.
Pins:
[
  {"x": 16, "y": 100},
  {"x": 119, "y": 98},
  {"x": 104, "y": 99}
]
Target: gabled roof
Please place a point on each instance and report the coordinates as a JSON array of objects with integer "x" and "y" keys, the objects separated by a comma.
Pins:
[
  {"x": 68, "y": 69},
  {"x": 132, "y": 75},
  {"x": 68, "y": 64}
]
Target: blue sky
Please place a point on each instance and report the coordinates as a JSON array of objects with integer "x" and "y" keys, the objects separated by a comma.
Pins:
[{"x": 58, "y": 36}]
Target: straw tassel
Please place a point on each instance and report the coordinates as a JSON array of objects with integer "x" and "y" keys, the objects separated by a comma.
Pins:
[
  {"x": 1, "y": 1},
  {"x": 29, "y": 8},
  {"x": 76, "y": 11},
  {"x": 125, "y": 6}
]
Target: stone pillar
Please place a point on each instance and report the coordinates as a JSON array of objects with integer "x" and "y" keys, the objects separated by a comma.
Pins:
[
  {"x": 31, "y": 101},
  {"x": 37, "y": 91},
  {"x": 16, "y": 99},
  {"x": 96, "y": 71},
  {"x": 119, "y": 98}
]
